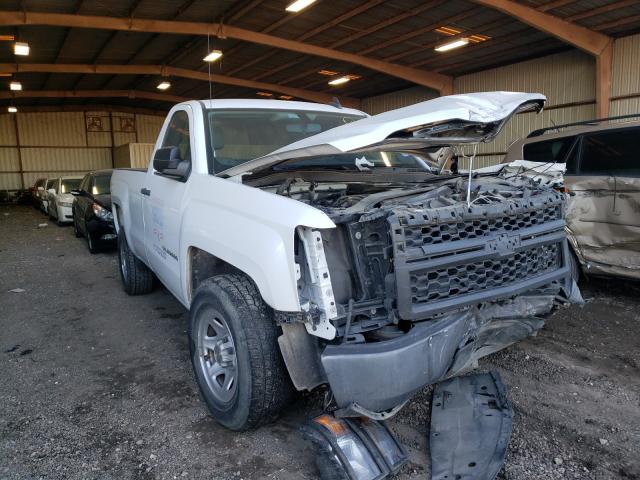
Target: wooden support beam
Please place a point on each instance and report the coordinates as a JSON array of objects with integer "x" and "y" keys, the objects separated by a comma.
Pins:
[
  {"x": 311, "y": 33},
  {"x": 160, "y": 112},
  {"x": 597, "y": 44},
  {"x": 133, "y": 94},
  {"x": 580, "y": 37},
  {"x": 604, "y": 63},
  {"x": 433, "y": 80},
  {"x": 166, "y": 71}
]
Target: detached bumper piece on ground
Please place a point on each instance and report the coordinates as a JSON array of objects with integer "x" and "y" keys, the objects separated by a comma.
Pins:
[
  {"x": 471, "y": 421},
  {"x": 354, "y": 449}
]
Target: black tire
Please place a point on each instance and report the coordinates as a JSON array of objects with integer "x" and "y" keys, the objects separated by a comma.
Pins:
[
  {"x": 91, "y": 243},
  {"x": 76, "y": 230},
  {"x": 574, "y": 265},
  {"x": 263, "y": 387},
  {"x": 136, "y": 277}
]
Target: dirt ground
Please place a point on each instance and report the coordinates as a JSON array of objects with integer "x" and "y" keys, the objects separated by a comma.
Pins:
[{"x": 96, "y": 384}]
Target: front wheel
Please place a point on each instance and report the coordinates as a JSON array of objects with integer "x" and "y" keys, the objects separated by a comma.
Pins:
[
  {"x": 574, "y": 265},
  {"x": 93, "y": 248},
  {"x": 233, "y": 340},
  {"x": 76, "y": 230},
  {"x": 136, "y": 277}
]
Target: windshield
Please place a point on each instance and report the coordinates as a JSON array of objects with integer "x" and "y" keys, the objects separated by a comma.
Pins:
[
  {"x": 101, "y": 185},
  {"x": 239, "y": 135},
  {"x": 69, "y": 184},
  {"x": 362, "y": 161}
]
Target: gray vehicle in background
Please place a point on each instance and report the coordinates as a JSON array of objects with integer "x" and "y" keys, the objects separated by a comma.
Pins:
[{"x": 603, "y": 182}]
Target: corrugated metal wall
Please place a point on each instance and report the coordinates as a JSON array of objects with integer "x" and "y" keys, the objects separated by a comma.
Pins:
[
  {"x": 625, "y": 80},
  {"x": 550, "y": 76},
  {"x": 393, "y": 100},
  {"x": 50, "y": 144}
]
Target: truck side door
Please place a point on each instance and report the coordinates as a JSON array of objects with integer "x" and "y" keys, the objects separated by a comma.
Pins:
[{"x": 163, "y": 203}]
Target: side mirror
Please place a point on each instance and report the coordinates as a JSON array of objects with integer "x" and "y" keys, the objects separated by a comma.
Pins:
[
  {"x": 167, "y": 161},
  {"x": 75, "y": 193},
  {"x": 166, "y": 158}
]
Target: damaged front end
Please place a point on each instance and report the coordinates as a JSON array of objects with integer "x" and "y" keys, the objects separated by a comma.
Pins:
[{"x": 416, "y": 284}]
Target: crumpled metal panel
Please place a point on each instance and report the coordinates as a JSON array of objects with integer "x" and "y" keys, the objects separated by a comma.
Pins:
[
  {"x": 603, "y": 218},
  {"x": 471, "y": 421}
]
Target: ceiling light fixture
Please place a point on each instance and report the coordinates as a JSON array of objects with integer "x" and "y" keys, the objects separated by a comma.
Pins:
[
  {"x": 15, "y": 86},
  {"x": 450, "y": 31},
  {"x": 264, "y": 94},
  {"x": 163, "y": 86},
  {"x": 21, "y": 48},
  {"x": 457, "y": 43},
  {"x": 340, "y": 81},
  {"x": 299, "y": 5},
  {"x": 285, "y": 97},
  {"x": 12, "y": 110},
  {"x": 213, "y": 56}
]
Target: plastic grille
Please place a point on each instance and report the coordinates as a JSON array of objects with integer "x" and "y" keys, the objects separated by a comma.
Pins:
[
  {"x": 440, "y": 284},
  {"x": 418, "y": 234}
]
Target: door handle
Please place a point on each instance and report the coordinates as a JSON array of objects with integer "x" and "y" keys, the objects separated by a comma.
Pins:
[{"x": 145, "y": 191}]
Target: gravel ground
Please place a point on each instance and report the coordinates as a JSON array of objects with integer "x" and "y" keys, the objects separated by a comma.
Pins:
[{"x": 96, "y": 384}]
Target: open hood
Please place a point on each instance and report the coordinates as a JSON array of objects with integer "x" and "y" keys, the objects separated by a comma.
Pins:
[{"x": 443, "y": 121}]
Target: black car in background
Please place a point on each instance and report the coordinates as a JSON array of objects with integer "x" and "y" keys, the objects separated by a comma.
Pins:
[{"x": 92, "y": 217}]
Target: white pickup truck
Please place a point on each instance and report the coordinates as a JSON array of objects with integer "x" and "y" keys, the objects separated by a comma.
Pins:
[{"x": 315, "y": 245}]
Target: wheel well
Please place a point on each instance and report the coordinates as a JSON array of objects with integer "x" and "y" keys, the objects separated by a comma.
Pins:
[{"x": 203, "y": 265}]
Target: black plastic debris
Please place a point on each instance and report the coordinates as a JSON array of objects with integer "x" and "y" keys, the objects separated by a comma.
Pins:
[
  {"x": 471, "y": 420},
  {"x": 354, "y": 448}
]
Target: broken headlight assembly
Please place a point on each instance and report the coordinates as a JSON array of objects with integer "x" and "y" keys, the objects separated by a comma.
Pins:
[{"x": 354, "y": 448}]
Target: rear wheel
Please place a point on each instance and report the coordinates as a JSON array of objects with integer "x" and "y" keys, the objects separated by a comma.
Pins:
[
  {"x": 136, "y": 277},
  {"x": 233, "y": 340},
  {"x": 76, "y": 230}
]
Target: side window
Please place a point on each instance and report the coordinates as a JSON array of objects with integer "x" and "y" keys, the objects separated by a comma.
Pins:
[
  {"x": 555, "y": 150},
  {"x": 611, "y": 153},
  {"x": 177, "y": 134}
]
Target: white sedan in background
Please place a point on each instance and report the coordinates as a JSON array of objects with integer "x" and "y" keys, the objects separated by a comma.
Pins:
[{"x": 60, "y": 199}]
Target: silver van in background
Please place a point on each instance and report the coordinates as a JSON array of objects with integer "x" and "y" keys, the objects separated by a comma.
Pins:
[{"x": 603, "y": 181}]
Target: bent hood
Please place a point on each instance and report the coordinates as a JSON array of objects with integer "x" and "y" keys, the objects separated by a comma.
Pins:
[{"x": 443, "y": 121}]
